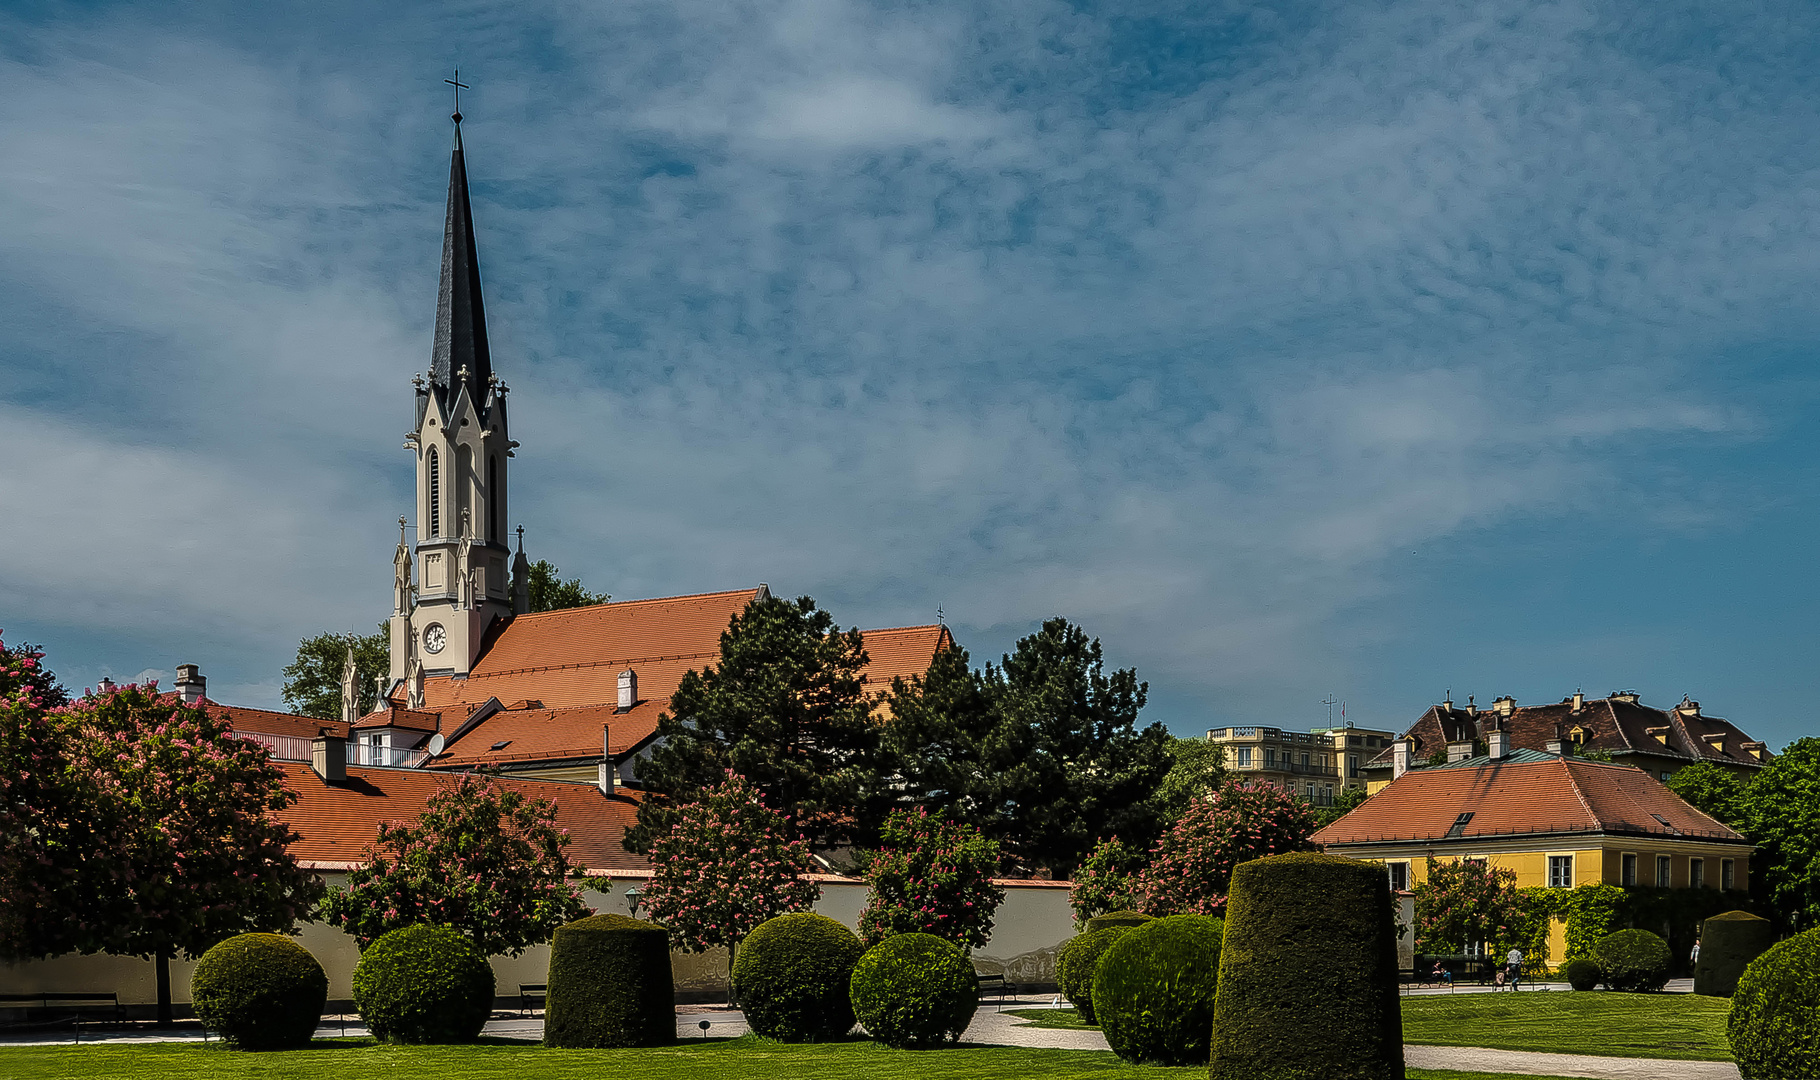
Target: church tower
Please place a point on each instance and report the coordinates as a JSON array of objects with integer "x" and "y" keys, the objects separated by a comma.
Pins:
[{"x": 455, "y": 583}]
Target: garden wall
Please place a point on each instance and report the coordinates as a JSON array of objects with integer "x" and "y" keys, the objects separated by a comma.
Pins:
[{"x": 1031, "y": 925}]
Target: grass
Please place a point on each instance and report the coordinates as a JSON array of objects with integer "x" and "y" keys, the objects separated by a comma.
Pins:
[
  {"x": 747, "y": 1058},
  {"x": 1688, "y": 1027},
  {"x": 1066, "y": 1019}
]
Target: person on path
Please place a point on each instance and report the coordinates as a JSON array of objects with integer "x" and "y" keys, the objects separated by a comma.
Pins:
[
  {"x": 1694, "y": 957},
  {"x": 1513, "y": 963}
]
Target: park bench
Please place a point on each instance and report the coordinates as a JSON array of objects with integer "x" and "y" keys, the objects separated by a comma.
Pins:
[
  {"x": 997, "y": 984},
  {"x": 43, "y": 1007},
  {"x": 532, "y": 996}
]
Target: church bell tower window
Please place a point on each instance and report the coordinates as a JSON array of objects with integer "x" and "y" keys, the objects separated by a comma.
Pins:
[
  {"x": 492, "y": 498},
  {"x": 435, "y": 494}
]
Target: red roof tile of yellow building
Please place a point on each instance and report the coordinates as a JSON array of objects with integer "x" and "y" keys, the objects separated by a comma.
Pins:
[
  {"x": 1529, "y": 793},
  {"x": 337, "y": 823}
]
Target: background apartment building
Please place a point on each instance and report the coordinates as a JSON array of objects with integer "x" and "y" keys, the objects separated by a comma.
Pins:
[{"x": 1316, "y": 764}]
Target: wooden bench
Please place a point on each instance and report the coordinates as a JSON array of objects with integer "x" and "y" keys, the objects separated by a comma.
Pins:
[
  {"x": 45, "y": 1006},
  {"x": 532, "y": 996},
  {"x": 999, "y": 984}
]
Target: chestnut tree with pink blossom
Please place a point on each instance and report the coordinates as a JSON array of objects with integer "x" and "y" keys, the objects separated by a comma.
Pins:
[
  {"x": 932, "y": 876},
  {"x": 725, "y": 863},
  {"x": 44, "y": 834},
  {"x": 1106, "y": 881},
  {"x": 1465, "y": 903},
  {"x": 484, "y": 858},
  {"x": 1190, "y": 867}
]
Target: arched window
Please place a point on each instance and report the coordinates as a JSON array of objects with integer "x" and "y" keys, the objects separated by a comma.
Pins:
[
  {"x": 492, "y": 498},
  {"x": 435, "y": 495},
  {"x": 464, "y": 492}
]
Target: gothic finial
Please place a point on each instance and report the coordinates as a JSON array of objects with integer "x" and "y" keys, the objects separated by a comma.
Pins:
[
  {"x": 463, "y": 373},
  {"x": 417, "y": 381},
  {"x": 521, "y": 539}
]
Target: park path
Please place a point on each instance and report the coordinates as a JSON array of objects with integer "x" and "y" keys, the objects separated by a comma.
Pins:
[{"x": 1480, "y": 1059}]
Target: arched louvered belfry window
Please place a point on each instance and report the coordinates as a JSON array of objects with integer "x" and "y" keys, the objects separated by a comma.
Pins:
[
  {"x": 435, "y": 494},
  {"x": 492, "y": 497}
]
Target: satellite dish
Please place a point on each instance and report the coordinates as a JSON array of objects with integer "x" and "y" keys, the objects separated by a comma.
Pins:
[{"x": 436, "y": 744}]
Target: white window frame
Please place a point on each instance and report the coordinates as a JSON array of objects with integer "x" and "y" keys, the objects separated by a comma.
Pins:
[
  {"x": 1244, "y": 757},
  {"x": 1553, "y": 881},
  {"x": 1392, "y": 869}
]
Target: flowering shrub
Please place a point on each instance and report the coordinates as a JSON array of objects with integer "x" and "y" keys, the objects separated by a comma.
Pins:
[
  {"x": 931, "y": 877},
  {"x": 1191, "y": 865},
  {"x": 726, "y": 863},
  {"x": 1465, "y": 901},
  {"x": 484, "y": 859},
  {"x": 1107, "y": 881}
]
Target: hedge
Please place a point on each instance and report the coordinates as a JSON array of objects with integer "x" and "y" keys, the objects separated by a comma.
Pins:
[
  {"x": 1078, "y": 961},
  {"x": 792, "y": 977},
  {"x": 1154, "y": 989},
  {"x": 1116, "y": 918},
  {"x": 1633, "y": 960},
  {"x": 423, "y": 984},
  {"x": 1582, "y": 974},
  {"x": 1775, "y": 1020},
  {"x": 913, "y": 991},
  {"x": 609, "y": 985},
  {"x": 1728, "y": 943},
  {"x": 260, "y": 992},
  {"x": 1308, "y": 973}
]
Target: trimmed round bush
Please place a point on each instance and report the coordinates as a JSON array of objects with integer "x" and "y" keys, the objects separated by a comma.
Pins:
[
  {"x": 423, "y": 984},
  {"x": 1077, "y": 963},
  {"x": 1116, "y": 918},
  {"x": 1728, "y": 943},
  {"x": 1633, "y": 960},
  {"x": 914, "y": 991},
  {"x": 610, "y": 985},
  {"x": 1153, "y": 990},
  {"x": 1308, "y": 973},
  {"x": 1581, "y": 973},
  {"x": 260, "y": 992},
  {"x": 1775, "y": 1020},
  {"x": 793, "y": 975}
]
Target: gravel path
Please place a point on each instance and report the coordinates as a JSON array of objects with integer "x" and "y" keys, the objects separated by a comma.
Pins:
[{"x": 1478, "y": 1059}]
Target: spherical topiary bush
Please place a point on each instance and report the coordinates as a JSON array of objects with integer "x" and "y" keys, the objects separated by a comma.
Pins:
[
  {"x": 1581, "y": 973},
  {"x": 1728, "y": 943},
  {"x": 792, "y": 976},
  {"x": 913, "y": 991},
  {"x": 1633, "y": 960},
  {"x": 1079, "y": 961},
  {"x": 423, "y": 984},
  {"x": 1775, "y": 1020},
  {"x": 260, "y": 992},
  {"x": 1115, "y": 918},
  {"x": 1308, "y": 973},
  {"x": 610, "y": 985},
  {"x": 1153, "y": 990}
]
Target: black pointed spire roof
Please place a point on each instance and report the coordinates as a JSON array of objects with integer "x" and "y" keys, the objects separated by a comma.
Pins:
[{"x": 461, "y": 321}]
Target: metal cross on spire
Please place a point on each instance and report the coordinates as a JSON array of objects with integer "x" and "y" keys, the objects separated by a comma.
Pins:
[{"x": 459, "y": 87}]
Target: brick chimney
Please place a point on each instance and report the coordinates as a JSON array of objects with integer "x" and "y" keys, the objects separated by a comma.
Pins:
[{"x": 191, "y": 683}]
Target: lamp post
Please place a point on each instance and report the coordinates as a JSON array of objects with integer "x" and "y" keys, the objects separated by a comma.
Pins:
[{"x": 632, "y": 895}]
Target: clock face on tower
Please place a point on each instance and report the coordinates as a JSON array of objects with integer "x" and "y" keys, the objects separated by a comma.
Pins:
[{"x": 434, "y": 638}]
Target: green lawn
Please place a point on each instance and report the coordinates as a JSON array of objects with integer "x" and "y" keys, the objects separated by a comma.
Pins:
[
  {"x": 1686, "y": 1026},
  {"x": 743, "y": 1058}
]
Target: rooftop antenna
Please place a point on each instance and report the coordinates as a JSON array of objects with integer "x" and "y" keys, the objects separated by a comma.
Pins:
[
  {"x": 459, "y": 87},
  {"x": 1330, "y": 701}
]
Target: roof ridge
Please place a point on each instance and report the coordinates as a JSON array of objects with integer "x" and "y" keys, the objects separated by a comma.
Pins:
[
  {"x": 630, "y": 603},
  {"x": 1573, "y": 782},
  {"x": 895, "y": 629}
]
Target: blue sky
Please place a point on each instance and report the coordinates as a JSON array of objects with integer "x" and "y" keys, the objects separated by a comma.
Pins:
[{"x": 1304, "y": 351}]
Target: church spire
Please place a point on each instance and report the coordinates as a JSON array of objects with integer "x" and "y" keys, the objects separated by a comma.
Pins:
[{"x": 459, "y": 355}]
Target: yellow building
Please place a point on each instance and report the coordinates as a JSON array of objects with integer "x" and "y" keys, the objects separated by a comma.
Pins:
[
  {"x": 1553, "y": 819},
  {"x": 1316, "y": 764}
]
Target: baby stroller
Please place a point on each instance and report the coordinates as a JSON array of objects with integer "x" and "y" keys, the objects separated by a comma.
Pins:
[{"x": 1507, "y": 976}]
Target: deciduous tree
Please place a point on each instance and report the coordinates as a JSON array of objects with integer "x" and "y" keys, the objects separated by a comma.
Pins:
[
  {"x": 484, "y": 858},
  {"x": 1782, "y": 817},
  {"x": 931, "y": 877},
  {"x": 1106, "y": 881},
  {"x": 1190, "y": 868},
  {"x": 549, "y": 592},
  {"x": 1466, "y": 902},
  {"x": 1716, "y": 791},
  {"x": 312, "y": 681}
]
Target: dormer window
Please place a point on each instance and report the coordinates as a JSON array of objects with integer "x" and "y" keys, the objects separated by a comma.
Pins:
[{"x": 1579, "y": 736}]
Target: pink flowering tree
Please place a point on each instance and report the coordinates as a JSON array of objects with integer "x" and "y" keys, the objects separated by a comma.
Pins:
[
  {"x": 1106, "y": 881},
  {"x": 931, "y": 877},
  {"x": 44, "y": 833},
  {"x": 725, "y": 863},
  {"x": 1463, "y": 903},
  {"x": 1190, "y": 868},
  {"x": 484, "y": 858},
  {"x": 157, "y": 832}
]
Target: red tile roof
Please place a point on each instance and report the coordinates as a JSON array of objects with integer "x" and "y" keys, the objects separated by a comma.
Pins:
[
  {"x": 337, "y": 824},
  {"x": 273, "y": 723},
  {"x": 399, "y": 717},
  {"x": 1515, "y": 798}
]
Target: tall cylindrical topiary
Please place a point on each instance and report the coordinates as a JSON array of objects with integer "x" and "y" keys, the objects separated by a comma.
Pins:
[
  {"x": 1633, "y": 960},
  {"x": 1775, "y": 1020},
  {"x": 260, "y": 992},
  {"x": 423, "y": 984},
  {"x": 1728, "y": 943},
  {"x": 1308, "y": 973},
  {"x": 1153, "y": 990},
  {"x": 1079, "y": 961},
  {"x": 792, "y": 977},
  {"x": 610, "y": 985},
  {"x": 914, "y": 991},
  {"x": 1116, "y": 918}
]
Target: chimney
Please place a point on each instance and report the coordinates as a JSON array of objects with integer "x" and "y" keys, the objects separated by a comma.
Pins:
[
  {"x": 1498, "y": 744},
  {"x": 1579, "y": 700},
  {"x": 1459, "y": 751},
  {"x": 329, "y": 758},
  {"x": 191, "y": 683},
  {"x": 1471, "y": 709},
  {"x": 1688, "y": 707},
  {"x": 105, "y": 686},
  {"x": 1399, "y": 758},
  {"x": 628, "y": 689},
  {"x": 1504, "y": 706},
  {"x": 609, "y": 777}
]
